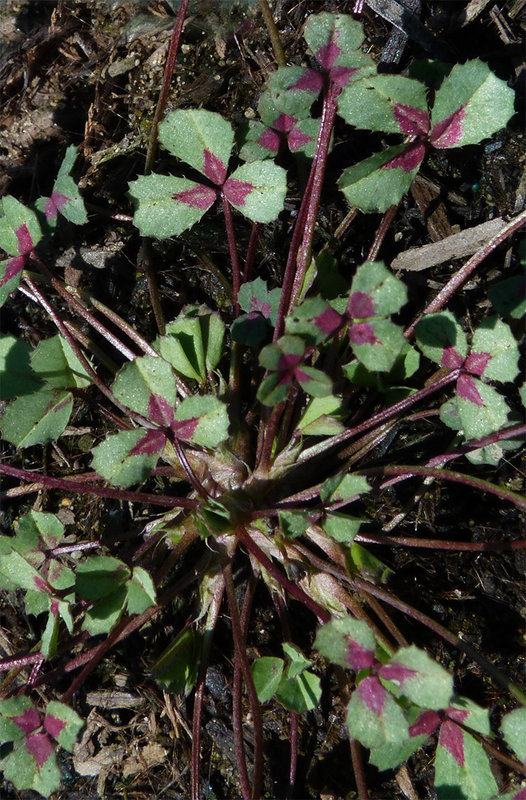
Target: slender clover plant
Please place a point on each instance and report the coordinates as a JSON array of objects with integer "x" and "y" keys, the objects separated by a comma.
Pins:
[{"x": 259, "y": 424}]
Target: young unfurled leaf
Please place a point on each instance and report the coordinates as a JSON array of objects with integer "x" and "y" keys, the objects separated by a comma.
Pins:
[
  {"x": 348, "y": 642},
  {"x": 167, "y": 206},
  {"x": 193, "y": 343},
  {"x": 65, "y": 198},
  {"x": 36, "y": 418},
  {"x": 460, "y": 111},
  {"x": 421, "y": 679},
  {"x": 112, "y": 587},
  {"x": 513, "y": 727},
  {"x": 54, "y": 362},
  {"x": 321, "y": 417},
  {"x": 257, "y": 190},
  {"x": 301, "y": 693},
  {"x": 379, "y": 182},
  {"x": 292, "y": 91},
  {"x": 16, "y": 375},
  {"x": 266, "y": 674},
  {"x": 284, "y": 360},
  {"x": 461, "y": 766},
  {"x": 200, "y": 138},
  {"x": 388, "y": 103},
  {"x": 141, "y": 592},
  {"x": 261, "y": 306},
  {"x": 175, "y": 670},
  {"x": 98, "y": 576},
  {"x": 295, "y": 688},
  {"x": 296, "y": 660}
]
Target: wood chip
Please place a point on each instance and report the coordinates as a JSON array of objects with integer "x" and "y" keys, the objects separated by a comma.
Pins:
[
  {"x": 112, "y": 699},
  {"x": 458, "y": 245}
]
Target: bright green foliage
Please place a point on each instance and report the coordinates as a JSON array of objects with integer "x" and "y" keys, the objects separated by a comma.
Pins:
[
  {"x": 193, "y": 343},
  {"x": 322, "y": 416},
  {"x": 291, "y": 683},
  {"x": 341, "y": 527},
  {"x": 266, "y": 674},
  {"x": 294, "y": 523},
  {"x": 113, "y": 588}
]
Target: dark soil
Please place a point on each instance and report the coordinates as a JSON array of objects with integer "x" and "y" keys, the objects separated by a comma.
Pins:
[{"x": 89, "y": 73}]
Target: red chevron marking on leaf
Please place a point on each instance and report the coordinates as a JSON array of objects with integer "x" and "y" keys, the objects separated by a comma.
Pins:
[{"x": 449, "y": 131}]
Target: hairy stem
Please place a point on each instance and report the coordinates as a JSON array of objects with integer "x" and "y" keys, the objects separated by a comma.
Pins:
[
  {"x": 464, "y": 272},
  {"x": 249, "y": 793},
  {"x": 47, "y": 482}
]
